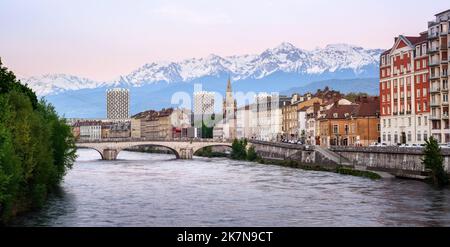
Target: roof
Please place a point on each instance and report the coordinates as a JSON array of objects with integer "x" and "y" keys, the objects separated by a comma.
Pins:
[
  {"x": 364, "y": 107},
  {"x": 443, "y": 12},
  {"x": 367, "y": 107},
  {"x": 153, "y": 115},
  {"x": 414, "y": 40}
]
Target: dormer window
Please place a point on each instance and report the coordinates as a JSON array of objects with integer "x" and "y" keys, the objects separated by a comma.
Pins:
[
  {"x": 335, "y": 115},
  {"x": 346, "y": 114}
]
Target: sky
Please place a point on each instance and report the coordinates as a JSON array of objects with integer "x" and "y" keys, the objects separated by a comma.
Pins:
[{"x": 103, "y": 39}]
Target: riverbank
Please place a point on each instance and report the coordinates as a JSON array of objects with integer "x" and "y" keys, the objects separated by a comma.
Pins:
[{"x": 322, "y": 168}]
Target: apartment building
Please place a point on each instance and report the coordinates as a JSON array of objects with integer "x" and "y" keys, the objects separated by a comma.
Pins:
[
  {"x": 118, "y": 103},
  {"x": 405, "y": 91},
  {"x": 439, "y": 43},
  {"x": 355, "y": 124}
]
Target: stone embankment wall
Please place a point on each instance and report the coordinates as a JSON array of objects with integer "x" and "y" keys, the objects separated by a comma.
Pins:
[{"x": 401, "y": 162}]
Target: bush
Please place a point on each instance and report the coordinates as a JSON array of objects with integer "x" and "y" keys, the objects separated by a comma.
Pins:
[
  {"x": 238, "y": 149},
  {"x": 251, "y": 154}
]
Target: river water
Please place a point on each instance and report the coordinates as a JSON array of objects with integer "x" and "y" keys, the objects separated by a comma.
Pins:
[{"x": 143, "y": 189}]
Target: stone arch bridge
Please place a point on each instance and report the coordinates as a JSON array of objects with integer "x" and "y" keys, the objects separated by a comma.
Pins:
[{"x": 183, "y": 149}]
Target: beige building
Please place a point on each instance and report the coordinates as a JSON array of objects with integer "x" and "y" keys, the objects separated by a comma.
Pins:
[{"x": 438, "y": 54}]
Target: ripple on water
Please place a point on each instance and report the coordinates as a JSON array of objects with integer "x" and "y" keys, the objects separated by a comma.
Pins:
[{"x": 156, "y": 190}]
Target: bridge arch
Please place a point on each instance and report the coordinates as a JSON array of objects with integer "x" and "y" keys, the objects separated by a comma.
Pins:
[
  {"x": 210, "y": 145},
  {"x": 174, "y": 151},
  {"x": 92, "y": 148}
]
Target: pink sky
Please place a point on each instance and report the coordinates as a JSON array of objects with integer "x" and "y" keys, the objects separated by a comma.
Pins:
[{"x": 104, "y": 39}]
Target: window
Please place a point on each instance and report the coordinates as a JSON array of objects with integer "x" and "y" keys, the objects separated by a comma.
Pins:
[
  {"x": 419, "y": 121},
  {"x": 417, "y": 64},
  {"x": 419, "y": 136},
  {"x": 384, "y": 137},
  {"x": 418, "y": 106},
  {"x": 409, "y": 121},
  {"x": 388, "y": 84},
  {"x": 389, "y": 122},
  {"x": 389, "y": 137},
  {"x": 409, "y": 136},
  {"x": 335, "y": 129},
  {"x": 445, "y": 97},
  {"x": 425, "y": 106},
  {"x": 424, "y": 94},
  {"x": 335, "y": 115},
  {"x": 425, "y": 136},
  {"x": 346, "y": 129},
  {"x": 418, "y": 93},
  {"x": 425, "y": 122},
  {"x": 379, "y": 127},
  {"x": 384, "y": 123}
]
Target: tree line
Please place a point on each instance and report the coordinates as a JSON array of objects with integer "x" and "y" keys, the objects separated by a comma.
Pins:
[{"x": 36, "y": 147}]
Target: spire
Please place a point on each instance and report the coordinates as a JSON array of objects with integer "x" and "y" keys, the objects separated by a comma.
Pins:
[{"x": 229, "y": 84}]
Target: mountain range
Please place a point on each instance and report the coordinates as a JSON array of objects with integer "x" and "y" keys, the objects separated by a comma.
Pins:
[{"x": 274, "y": 70}]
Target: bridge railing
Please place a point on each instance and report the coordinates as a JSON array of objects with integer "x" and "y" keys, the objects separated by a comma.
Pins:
[{"x": 152, "y": 140}]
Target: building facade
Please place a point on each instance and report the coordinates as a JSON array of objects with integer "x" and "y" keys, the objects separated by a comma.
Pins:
[
  {"x": 203, "y": 110},
  {"x": 90, "y": 130},
  {"x": 354, "y": 124},
  {"x": 118, "y": 103},
  {"x": 438, "y": 43},
  {"x": 405, "y": 91}
]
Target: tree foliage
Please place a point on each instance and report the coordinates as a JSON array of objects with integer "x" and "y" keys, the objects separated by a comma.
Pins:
[
  {"x": 251, "y": 154},
  {"x": 238, "y": 149},
  {"x": 36, "y": 147},
  {"x": 433, "y": 160}
]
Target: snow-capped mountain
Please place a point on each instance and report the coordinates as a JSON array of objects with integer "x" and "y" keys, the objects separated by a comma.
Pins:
[
  {"x": 57, "y": 83},
  {"x": 285, "y": 58}
]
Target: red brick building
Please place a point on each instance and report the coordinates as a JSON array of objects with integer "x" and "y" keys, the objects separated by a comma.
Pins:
[{"x": 404, "y": 91}]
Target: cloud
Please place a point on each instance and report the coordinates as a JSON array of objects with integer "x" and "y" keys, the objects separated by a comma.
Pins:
[{"x": 183, "y": 14}]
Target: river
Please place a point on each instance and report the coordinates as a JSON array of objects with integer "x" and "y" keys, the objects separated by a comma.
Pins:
[{"x": 142, "y": 189}]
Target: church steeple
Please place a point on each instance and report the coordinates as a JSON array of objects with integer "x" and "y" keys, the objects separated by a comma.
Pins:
[{"x": 229, "y": 85}]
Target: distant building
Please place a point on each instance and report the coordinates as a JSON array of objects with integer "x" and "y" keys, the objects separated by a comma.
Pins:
[
  {"x": 203, "y": 114},
  {"x": 267, "y": 112},
  {"x": 229, "y": 114},
  {"x": 90, "y": 130},
  {"x": 116, "y": 129},
  {"x": 165, "y": 124},
  {"x": 117, "y": 103},
  {"x": 244, "y": 119},
  {"x": 355, "y": 124}
]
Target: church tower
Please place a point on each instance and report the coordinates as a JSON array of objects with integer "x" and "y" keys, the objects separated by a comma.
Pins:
[{"x": 229, "y": 113}]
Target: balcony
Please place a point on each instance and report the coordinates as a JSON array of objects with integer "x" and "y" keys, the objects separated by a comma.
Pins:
[
  {"x": 434, "y": 76},
  {"x": 444, "y": 102},
  {"x": 434, "y": 63},
  {"x": 435, "y": 104},
  {"x": 433, "y": 35},
  {"x": 444, "y": 33},
  {"x": 435, "y": 90},
  {"x": 435, "y": 117},
  {"x": 433, "y": 50},
  {"x": 444, "y": 75},
  {"x": 445, "y": 116}
]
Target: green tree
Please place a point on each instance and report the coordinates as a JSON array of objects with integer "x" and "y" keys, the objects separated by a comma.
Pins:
[
  {"x": 36, "y": 147},
  {"x": 238, "y": 149},
  {"x": 433, "y": 161},
  {"x": 251, "y": 154}
]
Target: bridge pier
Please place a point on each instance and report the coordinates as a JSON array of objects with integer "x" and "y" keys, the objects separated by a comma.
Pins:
[
  {"x": 109, "y": 154},
  {"x": 185, "y": 153}
]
